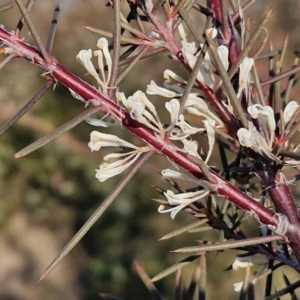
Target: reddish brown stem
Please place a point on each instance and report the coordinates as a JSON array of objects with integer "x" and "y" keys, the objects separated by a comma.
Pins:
[
  {"x": 285, "y": 204},
  {"x": 217, "y": 9},
  {"x": 222, "y": 187},
  {"x": 60, "y": 74}
]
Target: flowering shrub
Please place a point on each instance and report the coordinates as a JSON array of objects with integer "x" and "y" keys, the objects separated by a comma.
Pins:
[{"x": 224, "y": 93}]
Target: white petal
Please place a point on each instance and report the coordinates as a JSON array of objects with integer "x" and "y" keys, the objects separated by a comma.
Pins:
[
  {"x": 223, "y": 53},
  {"x": 211, "y": 136},
  {"x": 255, "y": 110},
  {"x": 107, "y": 170},
  {"x": 244, "y": 136},
  {"x": 84, "y": 57},
  {"x": 98, "y": 140},
  {"x": 102, "y": 44},
  {"x": 168, "y": 74},
  {"x": 173, "y": 107},
  {"x": 245, "y": 69},
  {"x": 238, "y": 286},
  {"x": 100, "y": 123},
  {"x": 154, "y": 89},
  {"x": 289, "y": 111}
]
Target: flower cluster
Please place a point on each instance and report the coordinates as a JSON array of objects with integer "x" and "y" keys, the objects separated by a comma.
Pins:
[
  {"x": 114, "y": 163},
  {"x": 261, "y": 138},
  {"x": 191, "y": 52},
  {"x": 245, "y": 261},
  {"x": 85, "y": 58},
  {"x": 181, "y": 200}
]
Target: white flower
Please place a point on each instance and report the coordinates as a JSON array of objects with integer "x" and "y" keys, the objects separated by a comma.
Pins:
[
  {"x": 244, "y": 136},
  {"x": 253, "y": 139},
  {"x": 142, "y": 110},
  {"x": 250, "y": 260},
  {"x": 114, "y": 163},
  {"x": 242, "y": 262},
  {"x": 189, "y": 52},
  {"x": 85, "y": 56},
  {"x": 265, "y": 115},
  {"x": 191, "y": 148},
  {"x": 238, "y": 286},
  {"x": 181, "y": 200},
  {"x": 173, "y": 108},
  {"x": 173, "y": 77},
  {"x": 244, "y": 76},
  {"x": 168, "y": 173},
  {"x": 154, "y": 89},
  {"x": 98, "y": 140},
  {"x": 100, "y": 123},
  {"x": 174, "y": 82},
  {"x": 154, "y": 35},
  {"x": 196, "y": 106},
  {"x": 289, "y": 111},
  {"x": 109, "y": 169},
  {"x": 183, "y": 129},
  {"x": 223, "y": 53}
]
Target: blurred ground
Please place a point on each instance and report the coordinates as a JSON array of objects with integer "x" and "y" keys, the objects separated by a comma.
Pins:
[{"x": 46, "y": 197}]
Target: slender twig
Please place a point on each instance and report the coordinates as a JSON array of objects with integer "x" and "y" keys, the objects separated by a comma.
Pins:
[
  {"x": 33, "y": 31},
  {"x": 259, "y": 91},
  {"x": 284, "y": 291},
  {"x": 191, "y": 25},
  {"x": 230, "y": 244},
  {"x": 277, "y": 105},
  {"x": 128, "y": 60},
  {"x": 7, "y": 59},
  {"x": 57, "y": 132},
  {"x": 244, "y": 8},
  {"x": 268, "y": 54},
  {"x": 124, "y": 39},
  {"x": 147, "y": 281},
  {"x": 21, "y": 21},
  {"x": 6, "y": 6},
  {"x": 26, "y": 107},
  {"x": 249, "y": 44},
  {"x": 96, "y": 215},
  {"x": 52, "y": 31},
  {"x": 290, "y": 84},
  {"x": 192, "y": 78},
  {"x": 131, "y": 65},
  {"x": 226, "y": 82},
  {"x": 116, "y": 49}
]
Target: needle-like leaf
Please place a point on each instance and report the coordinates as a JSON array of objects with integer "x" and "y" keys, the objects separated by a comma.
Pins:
[
  {"x": 25, "y": 107},
  {"x": 229, "y": 244},
  {"x": 174, "y": 268},
  {"x": 147, "y": 281},
  {"x": 183, "y": 229},
  {"x": 96, "y": 215}
]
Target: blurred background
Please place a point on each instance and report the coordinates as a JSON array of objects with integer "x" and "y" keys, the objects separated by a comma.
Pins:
[{"x": 48, "y": 195}]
